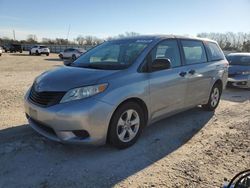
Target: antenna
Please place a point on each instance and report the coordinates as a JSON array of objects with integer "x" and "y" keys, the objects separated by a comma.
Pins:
[{"x": 68, "y": 33}]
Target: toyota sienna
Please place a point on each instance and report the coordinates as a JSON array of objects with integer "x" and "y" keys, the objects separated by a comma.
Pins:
[{"x": 110, "y": 93}]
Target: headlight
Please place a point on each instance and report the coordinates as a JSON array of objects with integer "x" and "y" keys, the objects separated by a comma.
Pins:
[{"x": 83, "y": 92}]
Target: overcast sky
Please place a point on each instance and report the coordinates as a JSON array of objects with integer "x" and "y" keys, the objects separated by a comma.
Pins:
[{"x": 103, "y": 18}]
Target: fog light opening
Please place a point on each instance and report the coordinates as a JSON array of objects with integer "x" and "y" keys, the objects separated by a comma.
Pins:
[{"x": 81, "y": 134}]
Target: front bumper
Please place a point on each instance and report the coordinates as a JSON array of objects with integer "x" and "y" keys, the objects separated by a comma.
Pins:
[
  {"x": 44, "y": 52},
  {"x": 241, "y": 81},
  {"x": 61, "y": 121}
]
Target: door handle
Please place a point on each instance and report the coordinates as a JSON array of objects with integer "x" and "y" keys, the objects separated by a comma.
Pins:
[
  {"x": 182, "y": 74},
  {"x": 192, "y": 71}
]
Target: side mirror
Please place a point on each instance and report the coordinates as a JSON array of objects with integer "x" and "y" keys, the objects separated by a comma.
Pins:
[
  {"x": 67, "y": 62},
  {"x": 161, "y": 64}
]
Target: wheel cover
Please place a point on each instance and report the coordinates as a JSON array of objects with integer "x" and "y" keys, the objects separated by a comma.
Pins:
[
  {"x": 128, "y": 125},
  {"x": 215, "y": 97}
]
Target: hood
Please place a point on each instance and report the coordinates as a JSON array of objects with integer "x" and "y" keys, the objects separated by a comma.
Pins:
[
  {"x": 66, "y": 78},
  {"x": 233, "y": 69}
]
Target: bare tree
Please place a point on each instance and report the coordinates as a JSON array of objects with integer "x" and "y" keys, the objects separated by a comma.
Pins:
[
  {"x": 229, "y": 40},
  {"x": 80, "y": 40},
  {"x": 31, "y": 38}
]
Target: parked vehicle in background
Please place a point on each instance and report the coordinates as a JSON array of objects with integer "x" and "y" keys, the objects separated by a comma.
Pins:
[
  {"x": 13, "y": 48},
  {"x": 39, "y": 49},
  {"x": 71, "y": 53},
  {"x": 1, "y": 50},
  {"x": 239, "y": 70},
  {"x": 110, "y": 93}
]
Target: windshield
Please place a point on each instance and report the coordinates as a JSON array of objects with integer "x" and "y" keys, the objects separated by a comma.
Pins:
[
  {"x": 118, "y": 54},
  {"x": 238, "y": 59}
]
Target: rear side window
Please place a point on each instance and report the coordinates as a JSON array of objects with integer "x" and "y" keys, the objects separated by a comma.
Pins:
[
  {"x": 214, "y": 52},
  {"x": 194, "y": 51}
]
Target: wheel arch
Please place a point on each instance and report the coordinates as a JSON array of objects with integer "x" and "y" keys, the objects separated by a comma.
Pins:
[
  {"x": 137, "y": 100},
  {"x": 220, "y": 83}
]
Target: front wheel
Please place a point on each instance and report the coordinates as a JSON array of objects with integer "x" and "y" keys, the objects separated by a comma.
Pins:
[
  {"x": 126, "y": 125},
  {"x": 47, "y": 54},
  {"x": 73, "y": 57},
  {"x": 214, "y": 98}
]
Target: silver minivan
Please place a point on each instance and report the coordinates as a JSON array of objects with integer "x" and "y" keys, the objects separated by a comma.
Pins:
[{"x": 110, "y": 93}]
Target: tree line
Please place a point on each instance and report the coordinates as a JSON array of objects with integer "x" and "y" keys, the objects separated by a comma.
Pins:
[
  {"x": 228, "y": 41},
  {"x": 80, "y": 40}
]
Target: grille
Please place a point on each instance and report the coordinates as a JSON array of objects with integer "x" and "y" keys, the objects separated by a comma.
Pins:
[
  {"x": 45, "y": 99},
  {"x": 232, "y": 75}
]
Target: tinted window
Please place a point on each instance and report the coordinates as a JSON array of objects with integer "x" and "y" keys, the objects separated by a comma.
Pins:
[
  {"x": 238, "y": 60},
  {"x": 43, "y": 47},
  {"x": 194, "y": 51},
  {"x": 67, "y": 50},
  {"x": 167, "y": 49},
  {"x": 214, "y": 52}
]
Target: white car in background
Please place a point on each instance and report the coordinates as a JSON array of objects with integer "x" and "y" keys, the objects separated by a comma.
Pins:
[
  {"x": 1, "y": 50},
  {"x": 71, "y": 53},
  {"x": 39, "y": 49}
]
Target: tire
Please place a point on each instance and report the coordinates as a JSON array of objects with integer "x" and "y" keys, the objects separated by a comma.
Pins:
[
  {"x": 60, "y": 56},
  {"x": 214, "y": 98},
  {"x": 47, "y": 54},
  {"x": 37, "y": 53},
  {"x": 73, "y": 57},
  {"x": 30, "y": 53},
  {"x": 126, "y": 134}
]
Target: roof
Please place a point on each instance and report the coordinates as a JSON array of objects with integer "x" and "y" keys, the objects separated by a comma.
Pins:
[
  {"x": 159, "y": 37},
  {"x": 240, "y": 53}
]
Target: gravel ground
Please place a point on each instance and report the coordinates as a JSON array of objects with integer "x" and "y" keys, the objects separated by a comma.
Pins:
[{"x": 192, "y": 149}]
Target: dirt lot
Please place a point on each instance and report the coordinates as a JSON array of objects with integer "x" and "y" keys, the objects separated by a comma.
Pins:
[{"x": 192, "y": 149}]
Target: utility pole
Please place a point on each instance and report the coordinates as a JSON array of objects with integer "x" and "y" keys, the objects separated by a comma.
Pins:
[
  {"x": 68, "y": 34},
  {"x": 14, "y": 35}
]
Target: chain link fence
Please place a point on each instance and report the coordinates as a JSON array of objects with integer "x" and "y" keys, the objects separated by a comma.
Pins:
[{"x": 56, "y": 48}]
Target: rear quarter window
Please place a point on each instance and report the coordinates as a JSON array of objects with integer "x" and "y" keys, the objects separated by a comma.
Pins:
[{"x": 214, "y": 52}]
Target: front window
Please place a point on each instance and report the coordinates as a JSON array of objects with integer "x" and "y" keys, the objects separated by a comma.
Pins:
[{"x": 117, "y": 54}]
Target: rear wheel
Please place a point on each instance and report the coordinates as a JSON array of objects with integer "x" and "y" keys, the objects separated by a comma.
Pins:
[
  {"x": 37, "y": 53},
  {"x": 126, "y": 125},
  {"x": 47, "y": 54},
  {"x": 214, "y": 98},
  {"x": 30, "y": 53}
]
